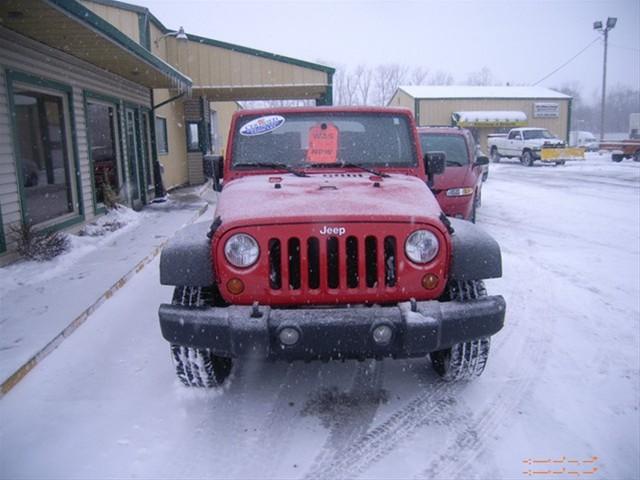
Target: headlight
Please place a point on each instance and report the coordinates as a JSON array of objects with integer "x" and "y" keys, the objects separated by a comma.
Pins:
[
  {"x": 421, "y": 246},
  {"x": 459, "y": 192},
  {"x": 241, "y": 250}
]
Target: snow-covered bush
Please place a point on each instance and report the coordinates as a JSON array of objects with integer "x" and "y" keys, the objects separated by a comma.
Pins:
[{"x": 39, "y": 246}]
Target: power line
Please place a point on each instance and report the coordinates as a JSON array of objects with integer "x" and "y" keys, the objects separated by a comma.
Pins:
[{"x": 568, "y": 61}]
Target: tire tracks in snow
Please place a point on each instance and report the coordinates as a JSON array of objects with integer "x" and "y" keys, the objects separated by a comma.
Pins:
[
  {"x": 367, "y": 382},
  {"x": 436, "y": 406}
]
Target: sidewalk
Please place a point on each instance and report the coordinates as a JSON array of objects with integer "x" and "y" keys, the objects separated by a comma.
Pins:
[{"x": 42, "y": 303}]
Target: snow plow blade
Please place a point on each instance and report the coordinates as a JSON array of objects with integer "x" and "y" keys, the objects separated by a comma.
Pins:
[{"x": 561, "y": 154}]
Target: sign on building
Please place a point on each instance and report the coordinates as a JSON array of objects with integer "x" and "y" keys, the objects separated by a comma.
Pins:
[{"x": 546, "y": 110}]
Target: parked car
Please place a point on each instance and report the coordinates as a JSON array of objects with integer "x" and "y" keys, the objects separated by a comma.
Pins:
[
  {"x": 327, "y": 243},
  {"x": 531, "y": 144},
  {"x": 586, "y": 140},
  {"x": 459, "y": 189}
]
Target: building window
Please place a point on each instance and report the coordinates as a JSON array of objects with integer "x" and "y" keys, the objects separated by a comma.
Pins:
[
  {"x": 42, "y": 128},
  {"x": 162, "y": 143},
  {"x": 193, "y": 137},
  {"x": 146, "y": 142},
  {"x": 101, "y": 129}
]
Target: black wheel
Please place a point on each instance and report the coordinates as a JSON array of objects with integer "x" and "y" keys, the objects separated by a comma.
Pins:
[
  {"x": 527, "y": 159},
  {"x": 495, "y": 156},
  {"x": 198, "y": 367},
  {"x": 617, "y": 157},
  {"x": 562, "y": 162},
  {"x": 466, "y": 360},
  {"x": 636, "y": 156}
]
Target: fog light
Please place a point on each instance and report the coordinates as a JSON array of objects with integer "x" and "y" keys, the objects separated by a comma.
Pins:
[
  {"x": 289, "y": 336},
  {"x": 382, "y": 334},
  {"x": 235, "y": 286},
  {"x": 430, "y": 281}
]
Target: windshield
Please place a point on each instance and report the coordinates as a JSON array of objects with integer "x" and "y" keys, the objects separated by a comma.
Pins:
[
  {"x": 328, "y": 139},
  {"x": 453, "y": 145},
  {"x": 533, "y": 134}
]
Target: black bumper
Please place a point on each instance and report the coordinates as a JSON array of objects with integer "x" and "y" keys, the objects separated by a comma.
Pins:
[{"x": 332, "y": 332}]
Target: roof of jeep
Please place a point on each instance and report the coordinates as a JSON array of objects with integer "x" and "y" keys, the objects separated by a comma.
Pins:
[{"x": 262, "y": 111}]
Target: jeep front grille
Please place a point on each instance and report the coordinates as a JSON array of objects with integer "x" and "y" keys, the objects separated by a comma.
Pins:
[{"x": 331, "y": 263}]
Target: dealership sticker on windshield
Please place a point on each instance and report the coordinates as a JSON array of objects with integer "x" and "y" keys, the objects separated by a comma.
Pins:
[{"x": 262, "y": 125}]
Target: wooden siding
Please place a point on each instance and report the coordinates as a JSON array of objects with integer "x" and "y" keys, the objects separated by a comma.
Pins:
[
  {"x": 224, "y": 111},
  {"x": 211, "y": 66},
  {"x": 124, "y": 20},
  {"x": 24, "y": 55},
  {"x": 402, "y": 99}
]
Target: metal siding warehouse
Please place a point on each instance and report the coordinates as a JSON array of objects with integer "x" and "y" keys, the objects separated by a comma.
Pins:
[{"x": 437, "y": 105}]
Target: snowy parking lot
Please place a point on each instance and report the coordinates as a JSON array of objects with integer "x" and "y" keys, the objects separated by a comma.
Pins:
[{"x": 562, "y": 383}]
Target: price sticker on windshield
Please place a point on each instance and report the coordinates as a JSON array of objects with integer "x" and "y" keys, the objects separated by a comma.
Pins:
[{"x": 323, "y": 143}]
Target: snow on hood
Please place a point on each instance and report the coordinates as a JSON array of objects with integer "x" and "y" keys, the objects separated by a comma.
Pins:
[{"x": 325, "y": 197}]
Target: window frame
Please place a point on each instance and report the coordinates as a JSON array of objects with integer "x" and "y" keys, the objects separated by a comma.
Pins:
[
  {"x": 93, "y": 97},
  {"x": 165, "y": 136},
  {"x": 198, "y": 147},
  {"x": 65, "y": 92}
]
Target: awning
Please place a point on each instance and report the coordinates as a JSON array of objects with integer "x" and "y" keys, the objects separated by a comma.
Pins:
[
  {"x": 68, "y": 26},
  {"x": 489, "y": 118}
]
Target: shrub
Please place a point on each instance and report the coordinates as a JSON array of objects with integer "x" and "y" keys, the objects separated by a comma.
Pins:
[{"x": 39, "y": 246}]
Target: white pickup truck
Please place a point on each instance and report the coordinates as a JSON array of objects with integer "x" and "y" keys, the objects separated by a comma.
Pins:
[{"x": 531, "y": 144}]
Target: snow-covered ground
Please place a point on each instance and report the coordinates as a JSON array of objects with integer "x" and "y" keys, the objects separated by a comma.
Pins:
[{"x": 563, "y": 380}]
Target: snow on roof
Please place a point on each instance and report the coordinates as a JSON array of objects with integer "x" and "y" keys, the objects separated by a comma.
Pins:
[
  {"x": 491, "y": 116},
  {"x": 466, "y": 91}
]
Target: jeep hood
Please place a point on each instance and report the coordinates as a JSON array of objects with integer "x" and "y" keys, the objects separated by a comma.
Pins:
[{"x": 262, "y": 199}]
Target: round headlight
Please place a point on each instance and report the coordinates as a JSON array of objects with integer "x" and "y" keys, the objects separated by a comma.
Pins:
[
  {"x": 241, "y": 250},
  {"x": 421, "y": 246}
]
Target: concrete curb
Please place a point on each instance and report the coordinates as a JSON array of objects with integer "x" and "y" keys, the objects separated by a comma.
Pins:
[{"x": 22, "y": 371}]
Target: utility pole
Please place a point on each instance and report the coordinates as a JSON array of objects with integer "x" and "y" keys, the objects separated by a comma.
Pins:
[{"x": 611, "y": 23}]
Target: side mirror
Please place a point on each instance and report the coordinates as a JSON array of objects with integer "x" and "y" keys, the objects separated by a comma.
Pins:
[
  {"x": 217, "y": 163},
  {"x": 481, "y": 160},
  {"x": 435, "y": 163}
]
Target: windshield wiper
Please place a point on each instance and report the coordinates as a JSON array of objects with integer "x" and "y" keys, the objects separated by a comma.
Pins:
[
  {"x": 273, "y": 165},
  {"x": 350, "y": 165}
]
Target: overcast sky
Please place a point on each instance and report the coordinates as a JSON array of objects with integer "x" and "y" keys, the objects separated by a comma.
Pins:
[{"x": 521, "y": 41}]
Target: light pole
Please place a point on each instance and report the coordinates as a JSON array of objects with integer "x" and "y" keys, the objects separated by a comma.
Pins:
[{"x": 611, "y": 22}]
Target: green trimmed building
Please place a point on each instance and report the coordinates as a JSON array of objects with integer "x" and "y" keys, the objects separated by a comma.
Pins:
[{"x": 99, "y": 96}]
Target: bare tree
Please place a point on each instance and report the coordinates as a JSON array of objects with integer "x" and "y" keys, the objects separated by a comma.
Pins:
[
  {"x": 365, "y": 78},
  {"x": 419, "y": 76},
  {"x": 481, "y": 77},
  {"x": 440, "y": 78},
  {"x": 387, "y": 78}
]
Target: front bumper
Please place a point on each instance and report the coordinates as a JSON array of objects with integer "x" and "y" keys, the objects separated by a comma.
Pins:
[{"x": 237, "y": 331}]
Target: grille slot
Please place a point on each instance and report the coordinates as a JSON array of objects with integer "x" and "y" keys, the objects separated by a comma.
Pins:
[
  {"x": 390, "y": 270},
  {"x": 313, "y": 262},
  {"x": 294, "y": 263},
  {"x": 333, "y": 262},
  {"x": 354, "y": 263},
  {"x": 275, "y": 270}
]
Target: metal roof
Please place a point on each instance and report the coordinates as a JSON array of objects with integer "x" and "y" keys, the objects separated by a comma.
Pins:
[{"x": 472, "y": 91}]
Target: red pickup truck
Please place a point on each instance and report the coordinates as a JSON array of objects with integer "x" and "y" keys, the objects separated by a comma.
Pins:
[{"x": 327, "y": 243}]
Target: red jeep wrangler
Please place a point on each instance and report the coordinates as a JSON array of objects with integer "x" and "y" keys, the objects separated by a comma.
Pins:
[{"x": 327, "y": 243}]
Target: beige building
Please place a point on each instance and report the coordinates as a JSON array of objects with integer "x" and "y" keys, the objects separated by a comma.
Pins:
[
  {"x": 98, "y": 96},
  {"x": 486, "y": 110}
]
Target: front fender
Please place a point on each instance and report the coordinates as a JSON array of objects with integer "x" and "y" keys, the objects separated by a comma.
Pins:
[
  {"x": 476, "y": 255},
  {"x": 186, "y": 259}
]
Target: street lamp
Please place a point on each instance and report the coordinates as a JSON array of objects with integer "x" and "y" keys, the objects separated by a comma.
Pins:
[
  {"x": 180, "y": 35},
  {"x": 611, "y": 23}
]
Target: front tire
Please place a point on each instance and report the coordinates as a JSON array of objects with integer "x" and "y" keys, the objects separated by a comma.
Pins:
[
  {"x": 198, "y": 367},
  {"x": 466, "y": 360},
  {"x": 527, "y": 158},
  {"x": 636, "y": 156},
  {"x": 495, "y": 156},
  {"x": 617, "y": 158}
]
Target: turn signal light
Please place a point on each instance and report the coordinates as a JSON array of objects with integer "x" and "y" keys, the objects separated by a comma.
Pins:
[
  {"x": 235, "y": 286},
  {"x": 430, "y": 281}
]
